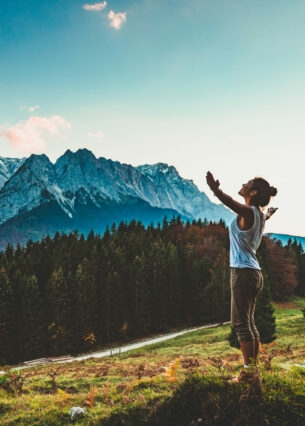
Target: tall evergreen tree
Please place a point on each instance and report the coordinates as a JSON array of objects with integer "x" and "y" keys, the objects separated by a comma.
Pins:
[
  {"x": 296, "y": 251},
  {"x": 85, "y": 305},
  {"x": 32, "y": 327},
  {"x": 6, "y": 319},
  {"x": 158, "y": 284},
  {"x": 264, "y": 314},
  {"x": 174, "y": 288},
  {"x": 215, "y": 297},
  {"x": 141, "y": 304},
  {"x": 195, "y": 277},
  {"x": 59, "y": 313}
]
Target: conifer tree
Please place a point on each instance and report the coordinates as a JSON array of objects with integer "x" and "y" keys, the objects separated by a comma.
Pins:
[
  {"x": 6, "y": 319},
  {"x": 114, "y": 312},
  {"x": 174, "y": 290},
  {"x": 141, "y": 305},
  {"x": 32, "y": 339},
  {"x": 281, "y": 269},
  {"x": 59, "y": 313},
  {"x": 296, "y": 251},
  {"x": 85, "y": 312},
  {"x": 195, "y": 278},
  {"x": 158, "y": 284},
  {"x": 264, "y": 314},
  {"x": 215, "y": 297}
]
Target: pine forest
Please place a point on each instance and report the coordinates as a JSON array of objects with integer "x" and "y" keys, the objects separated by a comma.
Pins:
[{"x": 72, "y": 294}]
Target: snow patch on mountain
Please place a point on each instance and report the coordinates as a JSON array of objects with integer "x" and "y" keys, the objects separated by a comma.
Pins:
[{"x": 182, "y": 194}]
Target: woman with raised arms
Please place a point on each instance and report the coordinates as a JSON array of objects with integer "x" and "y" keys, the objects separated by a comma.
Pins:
[{"x": 246, "y": 279}]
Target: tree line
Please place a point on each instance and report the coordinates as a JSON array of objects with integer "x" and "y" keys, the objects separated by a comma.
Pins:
[{"x": 69, "y": 293}]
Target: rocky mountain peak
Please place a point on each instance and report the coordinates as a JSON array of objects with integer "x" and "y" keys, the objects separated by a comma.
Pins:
[{"x": 83, "y": 186}]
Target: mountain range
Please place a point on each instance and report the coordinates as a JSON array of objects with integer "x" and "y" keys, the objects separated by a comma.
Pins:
[{"x": 81, "y": 192}]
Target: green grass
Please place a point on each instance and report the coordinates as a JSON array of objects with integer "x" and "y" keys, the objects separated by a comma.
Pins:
[{"x": 183, "y": 381}]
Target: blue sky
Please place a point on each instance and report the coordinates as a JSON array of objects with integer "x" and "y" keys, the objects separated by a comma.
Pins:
[{"x": 200, "y": 84}]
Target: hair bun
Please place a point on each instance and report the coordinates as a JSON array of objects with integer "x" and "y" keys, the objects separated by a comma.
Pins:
[{"x": 273, "y": 191}]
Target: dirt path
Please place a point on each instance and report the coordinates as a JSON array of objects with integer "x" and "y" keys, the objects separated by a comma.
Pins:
[{"x": 113, "y": 351}]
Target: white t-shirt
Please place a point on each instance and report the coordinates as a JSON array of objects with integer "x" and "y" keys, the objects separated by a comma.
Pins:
[{"x": 244, "y": 243}]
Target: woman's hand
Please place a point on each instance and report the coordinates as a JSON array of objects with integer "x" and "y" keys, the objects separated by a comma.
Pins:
[
  {"x": 270, "y": 212},
  {"x": 213, "y": 184},
  {"x": 243, "y": 210}
]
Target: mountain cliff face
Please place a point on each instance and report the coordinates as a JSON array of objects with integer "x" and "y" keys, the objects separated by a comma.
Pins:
[
  {"x": 81, "y": 192},
  {"x": 8, "y": 166}
]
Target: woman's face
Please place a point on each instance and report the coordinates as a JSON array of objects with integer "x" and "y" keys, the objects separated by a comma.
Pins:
[{"x": 246, "y": 189}]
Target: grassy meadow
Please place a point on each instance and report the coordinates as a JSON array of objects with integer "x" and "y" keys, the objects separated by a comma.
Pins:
[{"x": 183, "y": 381}]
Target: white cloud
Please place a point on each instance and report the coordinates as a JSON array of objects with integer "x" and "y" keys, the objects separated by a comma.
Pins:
[
  {"x": 33, "y": 108},
  {"x": 29, "y": 135},
  {"x": 97, "y": 135},
  {"x": 96, "y": 7},
  {"x": 117, "y": 19},
  {"x": 29, "y": 109}
]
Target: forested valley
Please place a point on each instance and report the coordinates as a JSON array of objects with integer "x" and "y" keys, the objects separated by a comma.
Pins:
[{"x": 70, "y": 294}]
